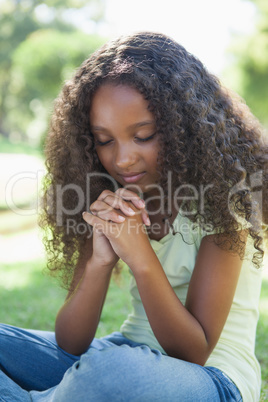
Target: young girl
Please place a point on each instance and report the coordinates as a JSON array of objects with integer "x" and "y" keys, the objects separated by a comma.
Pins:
[{"x": 152, "y": 162}]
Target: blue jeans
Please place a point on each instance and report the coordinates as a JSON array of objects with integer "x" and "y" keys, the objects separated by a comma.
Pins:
[{"x": 34, "y": 368}]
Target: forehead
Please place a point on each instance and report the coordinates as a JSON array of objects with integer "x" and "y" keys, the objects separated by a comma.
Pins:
[{"x": 121, "y": 100}]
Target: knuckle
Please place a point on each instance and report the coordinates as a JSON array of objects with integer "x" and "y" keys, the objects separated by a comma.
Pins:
[
  {"x": 95, "y": 205},
  {"x": 110, "y": 199},
  {"x": 108, "y": 208},
  {"x": 105, "y": 193},
  {"x": 92, "y": 206},
  {"x": 119, "y": 190},
  {"x": 122, "y": 192}
]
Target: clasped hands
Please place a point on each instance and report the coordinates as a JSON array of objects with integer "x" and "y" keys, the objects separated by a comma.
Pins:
[{"x": 121, "y": 217}]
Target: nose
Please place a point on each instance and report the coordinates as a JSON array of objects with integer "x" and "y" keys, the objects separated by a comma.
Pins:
[{"x": 125, "y": 156}]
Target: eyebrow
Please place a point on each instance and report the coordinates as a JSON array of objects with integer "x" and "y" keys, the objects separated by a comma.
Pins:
[{"x": 135, "y": 125}]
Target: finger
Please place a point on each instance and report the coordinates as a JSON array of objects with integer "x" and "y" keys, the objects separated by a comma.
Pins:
[
  {"x": 145, "y": 217},
  {"x": 106, "y": 212},
  {"x": 99, "y": 225},
  {"x": 95, "y": 221},
  {"x": 116, "y": 202},
  {"x": 131, "y": 196},
  {"x": 137, "y": 202}
]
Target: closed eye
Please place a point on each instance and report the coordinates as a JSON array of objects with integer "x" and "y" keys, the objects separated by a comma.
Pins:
[
  {"x": 101, "y": 143},
  {"x": 146, "y": 139}
]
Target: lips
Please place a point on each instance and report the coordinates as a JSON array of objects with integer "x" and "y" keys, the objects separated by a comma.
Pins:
[{"x": 132, "y": 177}]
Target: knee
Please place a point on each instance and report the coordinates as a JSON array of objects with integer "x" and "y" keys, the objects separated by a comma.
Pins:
[
  {"x": 103, "y": 374},
  {"x": 118, "y": 368},
  {"x": 6, "y": 332}
]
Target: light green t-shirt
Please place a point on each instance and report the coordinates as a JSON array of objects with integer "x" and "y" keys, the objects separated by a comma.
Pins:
[{"x": 234, "y": 353}]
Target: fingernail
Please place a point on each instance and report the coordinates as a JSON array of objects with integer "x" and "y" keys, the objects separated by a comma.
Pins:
[
  {"x": 84, "y": 214},
  {"x": 121, "y": 218},
  {"x": 141, "y": 203},
  {"x": 148, "y": 222},
  {"x": 130, "y": 211}
]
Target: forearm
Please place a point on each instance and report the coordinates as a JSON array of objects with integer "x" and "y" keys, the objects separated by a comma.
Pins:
[
  {"x": 175, "y": 328},
  {"x": 77, "y": 320}
]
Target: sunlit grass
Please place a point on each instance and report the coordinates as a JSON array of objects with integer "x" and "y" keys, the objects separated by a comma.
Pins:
[
  {"x": 21, "y": 147},
  {"x": 28, "y": 298},
  {"x": 15, "y": 278},
  {"x": 11, "y": 223},
  {"x": 31, "y": 299}
]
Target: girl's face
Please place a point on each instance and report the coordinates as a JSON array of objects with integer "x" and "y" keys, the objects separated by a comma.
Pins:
[{"x": 125, "y": 136}]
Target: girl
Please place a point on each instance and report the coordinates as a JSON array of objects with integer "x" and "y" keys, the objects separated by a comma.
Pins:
[{"x": 164, "y": 165}]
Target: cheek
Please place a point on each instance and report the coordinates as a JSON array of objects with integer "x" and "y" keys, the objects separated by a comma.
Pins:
[
  {"x": 103, "y": 158},
  {"x": 157, "y": 165},
  {"x": 153, "y": 156},
  {"x": 151, "y": 162}
]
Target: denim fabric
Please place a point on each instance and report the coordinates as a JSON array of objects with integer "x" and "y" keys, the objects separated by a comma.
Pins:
[{"x": 34, "y": 368}]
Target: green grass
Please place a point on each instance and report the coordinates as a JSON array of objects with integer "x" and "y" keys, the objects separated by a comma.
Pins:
[
  {"x": 12, "y": 223},
  {"x": 18, "y": 148},
  {"x": 30, "y": 299},
  {"x": 262, "y": 340}
]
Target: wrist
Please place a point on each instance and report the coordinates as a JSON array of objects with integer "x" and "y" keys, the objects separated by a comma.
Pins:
[
  {"x": 95, "y": 265},
  {"x": 143, "y": 262}
]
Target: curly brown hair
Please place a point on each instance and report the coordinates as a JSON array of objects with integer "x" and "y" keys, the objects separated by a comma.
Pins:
[{"x": 208, "y": 137}]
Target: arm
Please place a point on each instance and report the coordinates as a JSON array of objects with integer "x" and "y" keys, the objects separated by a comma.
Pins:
[
  {"x": 77, "y": 320},
  {"x": 187, "y": 332},
  {"x": 191, "y": 332}
]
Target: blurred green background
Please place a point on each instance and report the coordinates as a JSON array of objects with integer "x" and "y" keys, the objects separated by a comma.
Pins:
[{"x": 40, "y": 47}]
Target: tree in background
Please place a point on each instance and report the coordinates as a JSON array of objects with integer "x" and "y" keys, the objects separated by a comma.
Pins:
[
  {"x": 40, "y": 46},
  {"x": 249, "y": 69},
  {"x": 40, "y": 64}
]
